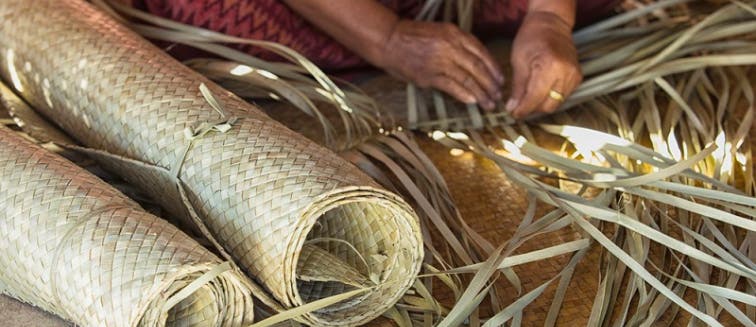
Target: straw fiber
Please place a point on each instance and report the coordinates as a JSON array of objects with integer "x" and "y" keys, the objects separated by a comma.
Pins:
[
  {"x": 257, "y": 190},
  {"x": 74, "y": 246},
  {"x": 493, "y": 206},
  {"x": 477, "y": 185}
]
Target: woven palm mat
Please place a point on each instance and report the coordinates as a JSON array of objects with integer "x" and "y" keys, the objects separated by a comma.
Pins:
[
  {"x": 490, "y": 204},
  {"x": 15, "y": 313},
  {"x": 476, "y": 185}
]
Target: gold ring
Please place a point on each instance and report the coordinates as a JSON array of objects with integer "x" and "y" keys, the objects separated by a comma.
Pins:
[{"x": 556, "y": 96}]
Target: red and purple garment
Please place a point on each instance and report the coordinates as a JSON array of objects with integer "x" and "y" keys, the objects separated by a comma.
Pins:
[{"x": 272, "y": 20}]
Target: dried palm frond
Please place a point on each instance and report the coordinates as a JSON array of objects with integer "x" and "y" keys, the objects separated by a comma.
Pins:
[
  {"x": 704, "y": 104},
  {"x": 682, "y": 212},
  {"x": 675, "y": 218},
  {"x": 613, "y": 43}
]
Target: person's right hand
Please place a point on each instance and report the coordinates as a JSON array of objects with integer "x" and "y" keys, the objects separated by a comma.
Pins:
[{"x": 442, "y": 56}]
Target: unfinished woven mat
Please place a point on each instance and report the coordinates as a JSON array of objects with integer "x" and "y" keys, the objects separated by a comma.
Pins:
[
  {"x": 261, "y": 193},
  {"x": 74, "y": 246}
]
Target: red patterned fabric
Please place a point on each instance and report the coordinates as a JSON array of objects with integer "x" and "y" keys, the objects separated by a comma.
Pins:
[{"x": 272, "y": 20}]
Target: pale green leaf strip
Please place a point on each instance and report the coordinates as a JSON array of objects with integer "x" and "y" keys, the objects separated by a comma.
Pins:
[
  {"x": 517, "y": 306},
  {"x": 655, "y": 176},
  {"x": 683, "y": 104},
  {"x": 519, "y": 259},
  {"x": 598, "y": 85},
  {"x": 474, "y": 293},
  {"x": 640, "y": 153},
  {"x": 558, "y": 162},
  {"x": 714, "y": 213},
  {"x": 426, "y": 294},
  {"x": 716, "y": 249},
  {"x": 723, "y": 302},
  {"x": 623, "y": 19},
  {"x": 659, "y": 237},
  {"x": 564, "y": 283},
  {"x": 307, "y": 308},
  {"x": 685, "y": 37},
  {"x": 211, "y": 100},
  {"x": 704, "y": 193},
  {"x": 635, "y": 266},
  {"x": 745, "y": 6},
  {"x": 719, "y": 291},
  {"x": 446, "y": 279}
]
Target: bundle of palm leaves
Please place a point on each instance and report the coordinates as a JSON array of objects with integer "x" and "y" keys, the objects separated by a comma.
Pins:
[{"x": 655, "y": 164}]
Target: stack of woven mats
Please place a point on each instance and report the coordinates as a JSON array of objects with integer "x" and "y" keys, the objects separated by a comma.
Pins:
[{"x": 303, "y": 223}]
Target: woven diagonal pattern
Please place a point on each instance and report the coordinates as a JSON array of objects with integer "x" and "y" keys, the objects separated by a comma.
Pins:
[
  {"x": 259, "y": 188},
  {"x": 74, "y": 246}
]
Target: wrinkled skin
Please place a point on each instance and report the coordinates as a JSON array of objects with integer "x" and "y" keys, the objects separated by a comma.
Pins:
[
  {"x": 543, "y": 58},
  {"x": 442, "y": 56}
]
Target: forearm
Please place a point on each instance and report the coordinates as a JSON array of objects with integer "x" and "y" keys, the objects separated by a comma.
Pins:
[
  {"x": 429, "y": 54},
  {"x": 362, "y": 26},
  {"x": 562, "y": 8}
]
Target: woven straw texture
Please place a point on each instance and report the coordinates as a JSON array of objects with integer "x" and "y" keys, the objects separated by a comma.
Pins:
[
  {"x": 74, "y": 246},
  {"x": 259, "y": 190}
]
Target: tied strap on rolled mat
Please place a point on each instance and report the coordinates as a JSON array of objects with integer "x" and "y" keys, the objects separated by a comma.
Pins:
[
  {"x": 262, "y": 194},
  {"x": 73, "y": 245}
]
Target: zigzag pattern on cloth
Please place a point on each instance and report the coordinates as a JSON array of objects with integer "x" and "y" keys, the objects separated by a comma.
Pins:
[
  {"x": 269, "y": 20},
  {"x": 272, "y": 20}
]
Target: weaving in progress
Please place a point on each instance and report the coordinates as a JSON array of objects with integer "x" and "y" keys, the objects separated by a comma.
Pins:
[{"x": 409, "y": 163}]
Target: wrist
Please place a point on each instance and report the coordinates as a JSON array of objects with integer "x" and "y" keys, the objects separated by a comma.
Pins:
[
  {"x": 378, "y": 47},
  {"x": 563, "y": 10},
  {"x": 362, "y": 26},
  {"x": 550, "y": 19}
]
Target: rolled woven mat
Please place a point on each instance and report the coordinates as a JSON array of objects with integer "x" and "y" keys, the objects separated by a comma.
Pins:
[
  {"x": 74, "y": 246},
  {"x": 260, "y": 192}
]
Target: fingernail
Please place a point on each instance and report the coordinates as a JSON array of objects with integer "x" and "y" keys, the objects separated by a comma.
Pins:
[
  {"x": 511, "y": 105},
  {"x": 498, "y": 95},
  {"x": 488, "y": 105}
]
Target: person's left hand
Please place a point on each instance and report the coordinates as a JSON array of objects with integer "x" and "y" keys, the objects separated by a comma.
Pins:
[{"x": 544, "y": 64}]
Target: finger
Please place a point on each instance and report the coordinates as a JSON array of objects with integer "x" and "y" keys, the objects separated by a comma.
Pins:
[
  {"x": 451, "y": 87},
  {"x": 553, "y": 101},
  {"x": 537, "y": 90},
  {"x": 469, "y": 82},
  {"x": 520, "y": 78},
  {"x": 476, "y": 69},
  {"x": 563, "y": 88},
  {"x": 573, "y": 82},
  {"x": 472, "y": 44}
]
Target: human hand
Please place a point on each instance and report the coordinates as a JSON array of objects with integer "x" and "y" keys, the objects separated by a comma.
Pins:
[
  {"x": 544, "y": 61},
  {"x": 442, "y": 56}
]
